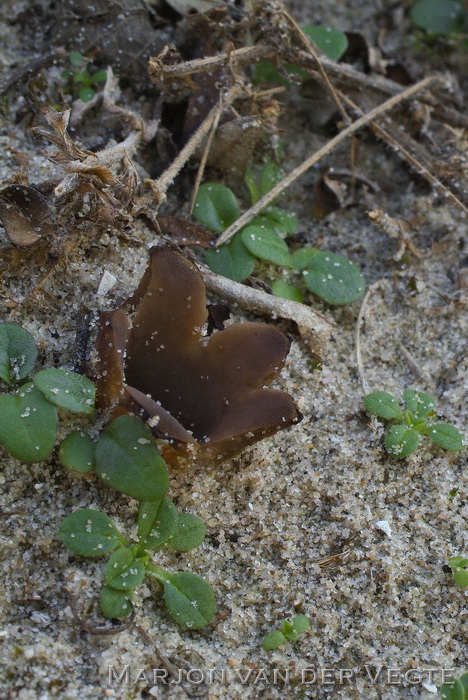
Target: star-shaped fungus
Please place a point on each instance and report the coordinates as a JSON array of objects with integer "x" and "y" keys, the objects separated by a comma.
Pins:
[{"x": 204, "y": 395}]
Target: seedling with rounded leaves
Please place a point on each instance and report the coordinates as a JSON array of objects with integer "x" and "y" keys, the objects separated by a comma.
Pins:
[
  {"x": 28, "y": 415},
  {"x": 331, "y": 277},
  {"x": 402, "y": 438},
  {"x": 189, "y": 599},
  {"x": 290, "y": 631},
  {"x": 79, "y": 81}
]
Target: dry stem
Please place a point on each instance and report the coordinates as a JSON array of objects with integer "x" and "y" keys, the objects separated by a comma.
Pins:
[
  {"x": 314, "y": 328},
  {"x": 163, "y": 182},
  {"x": 325, "y": 150},
  {"x": 343, "y": 73},
  {"x": 318, "y": 59}
]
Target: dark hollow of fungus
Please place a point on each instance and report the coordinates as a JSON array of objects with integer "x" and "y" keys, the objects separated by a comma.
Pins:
[{"x": 204, "y": 395}]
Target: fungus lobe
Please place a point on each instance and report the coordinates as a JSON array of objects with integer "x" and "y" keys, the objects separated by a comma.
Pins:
[{"x": 205, "y": 395}]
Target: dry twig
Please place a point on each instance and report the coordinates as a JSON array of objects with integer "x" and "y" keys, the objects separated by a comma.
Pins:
[
  {"x": 314, "y": 328},
  {"x": 318, "y": 155},
  {"x": 162, "y": 183},
  {"x": 357, "y": 336}
]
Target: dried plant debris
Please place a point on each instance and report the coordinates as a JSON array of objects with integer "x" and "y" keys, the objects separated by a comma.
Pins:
[
  {"x": 205, "y": 396},
  {"x": 121, "y": 34},
  {"x": 183, "y": 233},
  {"x": 25, "y": 215}
]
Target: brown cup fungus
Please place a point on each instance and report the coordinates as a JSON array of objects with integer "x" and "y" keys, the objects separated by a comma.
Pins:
[{"x": 204, "y": 395}]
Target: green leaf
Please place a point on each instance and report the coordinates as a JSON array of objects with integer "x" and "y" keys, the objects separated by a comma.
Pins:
[
  {"x": 265, "y": 244},
  {"x": 89, "y": 533},
  {"x": 18, "y": 352},
  {"x": 437, "y": 16},
  {"x": 302, "y": 257},
  {"x": 77, "y": 452},
  {"x": 216, "y": 206},
  {"x": 252, "y": 186},
  {"x": 334, "y": 278},
  {"x": 301, "y": 623},
  {"x": 266, "y": 72},
  {"x": 332, "y": 42},
  {"x": 189, "y": 599},
  {"x": 400, "y": 441},
  {"x": 28, "y": 424},
  {"x": 81, "y": 77},
  {"x": 114, "y": 603},
  {"x": 100, "y": 76},
  {"x": 156, "y": 523},
  {"x": 282, "y": 220},
  {"x": 287, "y": 291},
  {"x": 445, "y": 436},
  {"x": 452, "y": 690},
  {"x": 273, "y": 640},
  {"x": 419, "y": 403},
  {"x": 383, "y": 405},
  {"x": 270, "y": 175},
  {"x": 288, "y": 631},
  {"x": 123, "y": 571},
  {"x": 189, "y": 532},
  {"x": 66, "y": 389},
  {"x": 76, "y": 59},
  {"x": 127, "y": 460},
  {"x": 86, "y": 94},
  {"x": 459, "y": 566},
  {"x": 231, "y": 260}
]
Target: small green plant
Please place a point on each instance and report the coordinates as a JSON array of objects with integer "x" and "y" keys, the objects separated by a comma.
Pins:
[
  {"x": 125, "y": 457},
  {"x": 459, "y": 566},
  {"x": 188, "y": 598},
  {"x": 79, "y": 81},
  {"x": 332, "y": 42},
  {"x": 438, "y": 16},
  {"x": 455, "y": 689},
  {"x": 28, "y": 423},
  {"x": 289, "y": 631},
  {"x": 331, "y": 277},
  {"x": 402, "y": 438}
]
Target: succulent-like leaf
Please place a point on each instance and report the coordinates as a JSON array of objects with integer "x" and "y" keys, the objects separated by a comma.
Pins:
[
  {"x": 266, "y": 244},
  {"x": 437, "y": 16},
  {"x": 18, "y": 352},
  {"x": 273, "y": 640},
  {"x": 216, "y": 206},
  {"x": 331, "y": 41},
  {"x": 28, "y": 424},
  {"x": 334, "y": 278},
  {"x": 231, "y": 260},
  {"x": 89, "y": 533},
  {"x": 287, "y": 291},
  {"x": 127, "y": 459},
  {"x": 66, "y": 389},
  {"x": 77, "y": 452}
]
